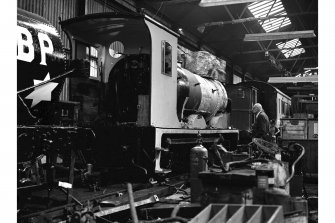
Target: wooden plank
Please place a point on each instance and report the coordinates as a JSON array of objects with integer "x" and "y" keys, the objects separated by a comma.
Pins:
[
  {"x": 295, "y": 128},
  {"x": 279, "y": 35},
  {"x": 209, "y": 3}
]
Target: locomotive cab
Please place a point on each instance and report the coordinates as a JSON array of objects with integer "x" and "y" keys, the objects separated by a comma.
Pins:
[{"x": 118, "y": 51}]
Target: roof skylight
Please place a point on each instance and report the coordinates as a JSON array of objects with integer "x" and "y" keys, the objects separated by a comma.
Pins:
[
  {"x": 294, "y": 43},
  {"x": 308, "y": 72},
  {"x": 266, "y": 8}
]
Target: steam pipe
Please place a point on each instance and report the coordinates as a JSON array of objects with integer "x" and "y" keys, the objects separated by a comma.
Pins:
[{"x": 295, "y": 162}]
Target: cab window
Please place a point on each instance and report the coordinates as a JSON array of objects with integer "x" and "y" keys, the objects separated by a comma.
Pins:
[
  {"x": 166, "y": 49},
  {"x": 92, "y": 56}
]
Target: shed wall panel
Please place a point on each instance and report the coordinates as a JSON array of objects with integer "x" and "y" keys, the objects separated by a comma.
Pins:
[
  {"x": 96, "y": 6},
  {"x": 52, "y": 10}
]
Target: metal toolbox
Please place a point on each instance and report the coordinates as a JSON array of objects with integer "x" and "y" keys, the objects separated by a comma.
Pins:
[
  {"x": 294, "y": 128},
  {"x": 240, "y": 213}
]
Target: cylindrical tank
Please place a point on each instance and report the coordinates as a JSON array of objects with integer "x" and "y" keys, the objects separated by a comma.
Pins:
[
  {"x": 198, "y": 163},
  {"x": 40, "y": 57},
  {"x": 205, "y": 96}
]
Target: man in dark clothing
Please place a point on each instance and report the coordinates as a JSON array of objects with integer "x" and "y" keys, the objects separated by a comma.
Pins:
[{"x": 261, "y": 127}]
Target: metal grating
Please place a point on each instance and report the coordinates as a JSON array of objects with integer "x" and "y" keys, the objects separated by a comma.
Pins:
[
  {"x": 267, "y": 8},
  {"x": 291, "y": 44}
]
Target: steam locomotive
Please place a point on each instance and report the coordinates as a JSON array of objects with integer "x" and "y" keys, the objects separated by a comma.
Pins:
[{"x": 130, "y": 105}]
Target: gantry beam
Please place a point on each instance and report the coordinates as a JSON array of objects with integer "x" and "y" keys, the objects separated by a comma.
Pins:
[
  {"x": 281, "y": 60},
  {"x": 309, "y": 79},
  {"x": 273, "y": 50},
  {"x": 171, "y": 1},
  {"x": 175, "y": 2},
  {"x": 209, "y": 3},
  {"x": 250, "y": 19},
  {"x": 279, "y": 35}
]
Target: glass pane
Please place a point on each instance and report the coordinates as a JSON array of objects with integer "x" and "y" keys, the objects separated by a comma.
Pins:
[
  {"x": 94, "y": 52},
  {"x": 87, "y": 51},
  {"x": 166, "y": 58},
  {"x": 116, "y": 49},
  {"x": 163, "y": 57},
  {"x": 93, "y": 68}
]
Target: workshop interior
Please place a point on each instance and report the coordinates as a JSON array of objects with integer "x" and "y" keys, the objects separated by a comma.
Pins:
[{"x": 167, "y": 111}]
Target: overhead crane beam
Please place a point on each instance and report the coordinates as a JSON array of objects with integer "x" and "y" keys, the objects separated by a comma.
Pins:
[
  {"x": 250, "y": 19},
  {"x": 209, "y": 3},
  {"x": 308, "y": 88},
  {"x": 281, "y": 60},
  {"x": 172, "y": 2},
  {"x": 279, "y": 35},
  {"x": 273, "y": 50}
]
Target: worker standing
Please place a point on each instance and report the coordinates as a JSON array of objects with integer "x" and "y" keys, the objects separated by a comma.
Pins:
[{"x": 261, "y": 127}]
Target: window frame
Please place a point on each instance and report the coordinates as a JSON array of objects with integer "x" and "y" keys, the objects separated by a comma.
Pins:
[
  {"x": 164, "y": 58},
  {"x": 90, "y": 58}
]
